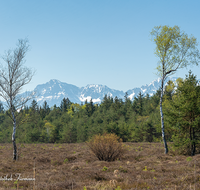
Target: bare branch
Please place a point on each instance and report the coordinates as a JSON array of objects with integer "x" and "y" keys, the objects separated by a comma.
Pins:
[{"x": 12, "y": 79}]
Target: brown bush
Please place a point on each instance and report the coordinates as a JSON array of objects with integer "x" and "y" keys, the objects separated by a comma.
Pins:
[{"x": 107, "y": 147}]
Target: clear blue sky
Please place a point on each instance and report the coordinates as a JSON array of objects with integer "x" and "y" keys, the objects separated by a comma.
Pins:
[{"x": 84, "y": 42}]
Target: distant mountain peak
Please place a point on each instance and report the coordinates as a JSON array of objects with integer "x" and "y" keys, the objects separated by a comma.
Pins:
[{"x": 54, "y": 91}]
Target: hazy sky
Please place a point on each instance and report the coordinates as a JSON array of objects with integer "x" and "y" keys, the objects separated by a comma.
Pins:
[{"x": 84, "y": 42}]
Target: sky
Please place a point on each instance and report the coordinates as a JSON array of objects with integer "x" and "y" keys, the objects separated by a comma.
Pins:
[{"x": 83, "y": 42}]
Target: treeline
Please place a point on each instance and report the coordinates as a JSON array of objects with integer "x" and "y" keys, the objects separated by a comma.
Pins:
[{"x": 135, "y": 121}]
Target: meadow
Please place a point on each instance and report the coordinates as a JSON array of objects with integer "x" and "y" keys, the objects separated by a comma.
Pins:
[{"x": 73, "y": 166}]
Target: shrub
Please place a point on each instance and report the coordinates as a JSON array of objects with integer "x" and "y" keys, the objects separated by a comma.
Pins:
[
  {"x": 107, "y": 147},
  {"x": 66, "y": 160},
  {"x": 104, "y": 168}
]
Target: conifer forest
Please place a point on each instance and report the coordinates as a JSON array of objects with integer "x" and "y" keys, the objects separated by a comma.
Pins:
[{"x": 132, "y": 121}]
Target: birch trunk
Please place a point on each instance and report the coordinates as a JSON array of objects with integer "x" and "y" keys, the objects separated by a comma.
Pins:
[
  {"x": 13, "y": 137},
  {"x": 162, "y": 118}
]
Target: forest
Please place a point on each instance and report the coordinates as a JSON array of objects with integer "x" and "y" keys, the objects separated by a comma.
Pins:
[{"x": 132, "y": 121}]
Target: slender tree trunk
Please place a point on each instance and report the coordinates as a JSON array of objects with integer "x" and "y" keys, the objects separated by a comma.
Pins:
[
  {"x": 162, "y": 119},
  {"x": 13, "y": 137},
  {"x": 193, "y": 143}
]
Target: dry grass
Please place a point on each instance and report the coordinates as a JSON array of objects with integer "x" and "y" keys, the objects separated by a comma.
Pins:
[{"x": 73, "y": 166}]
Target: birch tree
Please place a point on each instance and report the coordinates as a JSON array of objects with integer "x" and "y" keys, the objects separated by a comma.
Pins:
[
  {"x": 13, "y": 76},
  {"x": 175, "y": 50}
]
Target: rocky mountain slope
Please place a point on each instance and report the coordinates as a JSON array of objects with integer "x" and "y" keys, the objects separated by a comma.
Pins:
[{"x": 54, "y": 91}]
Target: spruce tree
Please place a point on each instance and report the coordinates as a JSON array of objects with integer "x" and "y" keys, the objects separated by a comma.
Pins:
[{"x": 183, "y": 114}]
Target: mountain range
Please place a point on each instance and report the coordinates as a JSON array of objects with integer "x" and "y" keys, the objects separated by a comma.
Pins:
[{"x": 54, "y": 91}]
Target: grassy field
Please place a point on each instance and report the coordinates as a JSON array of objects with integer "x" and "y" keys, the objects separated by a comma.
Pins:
[{"x": 73, "y": 166}]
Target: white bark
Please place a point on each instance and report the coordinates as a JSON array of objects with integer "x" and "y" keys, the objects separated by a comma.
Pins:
[
  {"x": 14, "y": 126},
  {"x": 12, "y": 78},
  {"x": 13, "y": 137},
  {"x": 162, "y": 118},
  {"x": 175, "y": 50}
]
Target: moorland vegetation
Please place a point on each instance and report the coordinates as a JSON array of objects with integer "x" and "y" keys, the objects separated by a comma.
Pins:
[
  {"x": 132, "y": 121},
  {"x": 72, "y": 166},
  {"x": 123, "y": 148}
]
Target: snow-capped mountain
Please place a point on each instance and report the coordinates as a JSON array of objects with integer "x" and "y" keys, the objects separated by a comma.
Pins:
[
  {"x": 148, "y": 88},
  {"x": 54, "y": 91},
  {"x": 97, "y": 93}
]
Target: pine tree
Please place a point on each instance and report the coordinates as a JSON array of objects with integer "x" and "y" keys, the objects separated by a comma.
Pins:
[
  {"x": 1, "y": 108},
  {"x": 65, "y": 104},
  {"x": 183, "y": 114}
]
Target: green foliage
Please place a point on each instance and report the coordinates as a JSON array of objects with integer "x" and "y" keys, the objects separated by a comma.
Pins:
[
  {"x": 183, "y": 115},
  {"x": 104, "y": 168},
  {"x": 15, "y": 182},
  {"x": 118, "y": 188},
  {"x": 65, "y": 105},
  {"x": 145, "y": 168},
  {"x": 174, "y": 49},
  {"x": 66, "y": 160},
  {"x": 135, "y": 121},
  {"x": 78, "y": 123},
  {"x": 189, "y": 159}
]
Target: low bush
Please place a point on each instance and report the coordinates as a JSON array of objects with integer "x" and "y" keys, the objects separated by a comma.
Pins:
[{"x": 107, "y": 147}]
